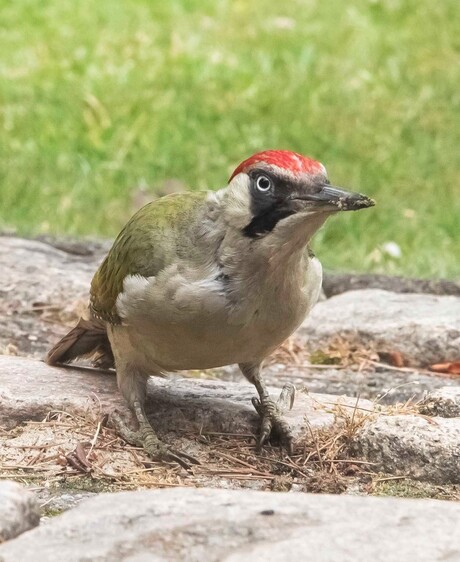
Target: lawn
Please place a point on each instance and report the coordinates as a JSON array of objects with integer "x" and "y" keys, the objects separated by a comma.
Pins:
[{"x": 103, "y": 100}]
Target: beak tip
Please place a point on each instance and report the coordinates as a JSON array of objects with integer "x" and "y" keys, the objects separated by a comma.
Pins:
[{"x": 360, "y": 202}]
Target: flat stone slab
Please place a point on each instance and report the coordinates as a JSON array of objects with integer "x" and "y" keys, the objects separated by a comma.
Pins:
[
  {"x": 41, "y": 289},
  {"x": 29, "y": 389},
  {"x": 418, "y": 447},
  {"x": 410, "y": 445},
  {"x": 18, "y": 510},
  {"x": 218, "y": 525},
  {"x": 39, "y": 281},
  {"x": 387, "y": 385},
  {"x": 45, "y": 273},
  {"x": 425, "y": 329},
  {"x": 337, "y": 283}
]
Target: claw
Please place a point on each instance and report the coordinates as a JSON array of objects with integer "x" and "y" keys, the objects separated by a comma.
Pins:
[
  {"x": 179, "y": 457},
  {"x": 265, "y": 432},
  {"x": 191, "y": 459},
  {"x": 146, "y": 438},
  {"x": 125, "y": 432},
  {"x": 272, "y": 420},
  {"x": 257, "y": 406}
]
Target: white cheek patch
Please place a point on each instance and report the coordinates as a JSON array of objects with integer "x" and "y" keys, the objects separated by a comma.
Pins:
[
  {"x": 323, "y": 169},
  {"x": 239, "y": 189},
  {"x": 238, "y": 200}
]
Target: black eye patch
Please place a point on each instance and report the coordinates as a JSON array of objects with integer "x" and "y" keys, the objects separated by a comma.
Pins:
[
  {"x": 269, "y": 202},
  {"x": 267, "y": 189}
]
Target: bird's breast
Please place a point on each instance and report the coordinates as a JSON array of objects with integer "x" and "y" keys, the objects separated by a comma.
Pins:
[{"x": 187, "y": 321}]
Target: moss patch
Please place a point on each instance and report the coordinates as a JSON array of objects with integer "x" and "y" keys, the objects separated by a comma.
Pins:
[{"x": 406, "y": 488}]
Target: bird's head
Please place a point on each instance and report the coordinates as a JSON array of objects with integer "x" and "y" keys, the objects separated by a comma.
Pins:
[{"x": 279, "y": 189}]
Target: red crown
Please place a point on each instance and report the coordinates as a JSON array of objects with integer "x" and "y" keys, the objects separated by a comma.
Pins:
[{"x": 285, "y": 159}]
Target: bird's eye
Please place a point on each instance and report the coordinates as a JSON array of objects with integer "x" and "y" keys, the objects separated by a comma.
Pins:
[{"x": 263, "y": 184}]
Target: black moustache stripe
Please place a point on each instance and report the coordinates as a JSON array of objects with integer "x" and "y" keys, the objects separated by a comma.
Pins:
[{"x": 264, "y": 223}]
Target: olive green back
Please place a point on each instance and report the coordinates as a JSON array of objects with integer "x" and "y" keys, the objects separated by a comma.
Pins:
[{"x": 148, "y": 243}]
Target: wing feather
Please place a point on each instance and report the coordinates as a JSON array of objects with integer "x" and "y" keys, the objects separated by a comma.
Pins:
[{"x": 148, "y": 243}]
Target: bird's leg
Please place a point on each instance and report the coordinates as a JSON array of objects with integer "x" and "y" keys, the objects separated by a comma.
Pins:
[
  {"x": 270, "y": 412},
  {"x": 132, "y": 385}
]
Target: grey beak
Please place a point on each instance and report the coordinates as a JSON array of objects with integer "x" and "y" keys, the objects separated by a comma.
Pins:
[{"x": 340, "y": 198}]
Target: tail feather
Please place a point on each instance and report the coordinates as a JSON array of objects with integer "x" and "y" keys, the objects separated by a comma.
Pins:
[{"x": 87, "y": 339}]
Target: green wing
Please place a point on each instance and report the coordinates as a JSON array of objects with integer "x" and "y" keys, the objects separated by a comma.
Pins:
[{"x": 148, "y": 243}]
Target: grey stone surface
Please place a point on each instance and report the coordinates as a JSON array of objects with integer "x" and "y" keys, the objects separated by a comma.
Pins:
[
  {"x": 34, "y": 264},
  {"x": 45, "y": 283},
  {"x": 29, "y": 389},
  {"x": 337, "y": 283},
  {"x": 56, "y": 501},
  {"x": 444, "y": 402},
  {"x": 218, "y": 525},
  {"x": 424, "y": 328},
  {"x": 93, "y": 248},
  {"x": 386, "y": 385},
  {"x": 19, "y": 510},
  {"x": 41, "y": 288},
  {"x": 414, "y": 446}
]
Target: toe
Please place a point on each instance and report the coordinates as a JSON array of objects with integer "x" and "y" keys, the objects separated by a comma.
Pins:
[
  {"x": 258, "y": 406},
  {"x": 125, "y": 432},
  {"x": 265, "y": 432},
  {"x": 183, "y": 459},
  {"x": 272, "y": 421},
  {"x": 284, "y": 433}
]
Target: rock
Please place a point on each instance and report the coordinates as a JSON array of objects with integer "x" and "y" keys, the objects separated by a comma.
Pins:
[
  {"x": 92, "y": 247},
  {"x": 29, "y": 389},
  {"x": 42, "y": 288},
  {"x": 386, "y": 385},
  {"x": 413, "y": 446},
  {"x": 57, "y": 501},
  {"x": 444, "y": 402},
  {"x": 398, "y": 444},
  {"x": 425, "y": 329},
  {"x": 216, "y": 525},
  {"x": 45, "y": 286},
  {"x": 19, "y": 510},
  {"x": 337, "y": 283},
  {"x": 33, "y": 264}
]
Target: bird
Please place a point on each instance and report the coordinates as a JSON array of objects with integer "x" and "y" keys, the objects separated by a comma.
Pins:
[{"x": 203, "y": 279}]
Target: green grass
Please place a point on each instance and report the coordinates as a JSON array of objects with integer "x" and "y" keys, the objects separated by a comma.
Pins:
[{"x": 99, "y": 98}]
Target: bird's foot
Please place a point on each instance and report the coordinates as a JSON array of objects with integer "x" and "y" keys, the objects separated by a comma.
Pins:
[
  {"x": 146, "y": 438},
  {"x": 272, "y": 420}
]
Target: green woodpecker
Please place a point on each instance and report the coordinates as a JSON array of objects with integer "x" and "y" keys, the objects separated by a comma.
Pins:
[{"x": 204, "y": 279}]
